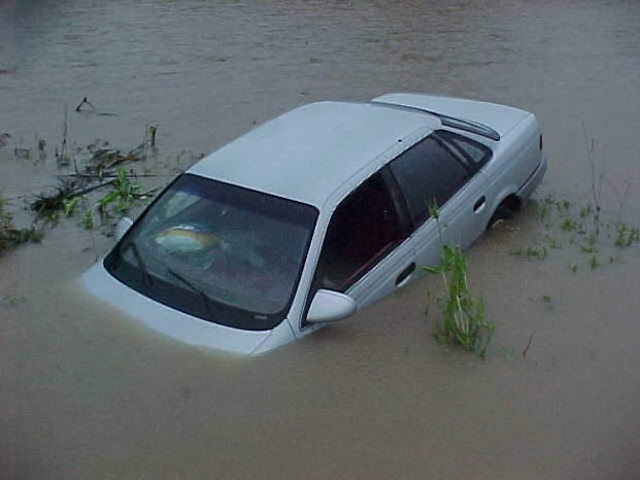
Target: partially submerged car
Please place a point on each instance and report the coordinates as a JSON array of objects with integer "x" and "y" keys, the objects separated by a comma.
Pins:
[{"x": 316, "y": 214}]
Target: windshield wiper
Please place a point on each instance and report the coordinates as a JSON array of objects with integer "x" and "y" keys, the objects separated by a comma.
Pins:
[
  {"x": 206, "y": 299},
  {"x": 145, "y": 273}
]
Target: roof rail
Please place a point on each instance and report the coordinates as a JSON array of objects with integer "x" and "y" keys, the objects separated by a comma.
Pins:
[{"x": 449, "y": 121}]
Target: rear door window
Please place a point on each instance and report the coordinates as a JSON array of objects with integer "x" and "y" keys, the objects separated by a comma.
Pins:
[{"x": 428, "y": 174}]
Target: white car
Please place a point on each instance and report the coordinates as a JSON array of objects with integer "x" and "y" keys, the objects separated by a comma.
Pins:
[{"x": 316, "y": 214}]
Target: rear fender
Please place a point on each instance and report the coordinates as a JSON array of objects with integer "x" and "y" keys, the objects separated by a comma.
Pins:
[{"x": 502, "y": 196}]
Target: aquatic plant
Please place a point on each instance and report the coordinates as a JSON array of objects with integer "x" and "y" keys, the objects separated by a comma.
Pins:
[
  {"x": 87, "y": 219},
  {"x": 121, "y": 196},
  {"x": 462, "y": 319},
  {"x": 626, "y": 235},
  {"x": 49, "y": 205},
  {"x": 463, "y": 322},
  {"x": 584, "y": 228}
]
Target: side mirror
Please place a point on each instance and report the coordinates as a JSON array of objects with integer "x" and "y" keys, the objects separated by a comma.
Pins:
[
  {"x": 329, "y": 306},
  {"x": 121, "y": 228}
]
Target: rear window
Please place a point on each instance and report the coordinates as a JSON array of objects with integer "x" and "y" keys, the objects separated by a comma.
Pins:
[{"x": 478, "y": 153}]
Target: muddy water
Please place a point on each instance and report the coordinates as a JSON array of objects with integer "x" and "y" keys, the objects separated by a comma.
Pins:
[{"x": 87, "y": 394}]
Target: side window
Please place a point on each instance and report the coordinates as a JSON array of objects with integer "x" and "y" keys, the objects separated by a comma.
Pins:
[
  {"x": 479, "y": 154},
  {"x": 363, "y": 229},
  {"x": 428, "y": 173}
]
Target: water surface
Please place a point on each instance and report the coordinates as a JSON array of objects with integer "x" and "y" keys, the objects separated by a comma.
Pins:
[{"x": 88, "y": 394}]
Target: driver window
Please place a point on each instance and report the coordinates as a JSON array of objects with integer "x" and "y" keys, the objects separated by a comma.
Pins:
[{"x": 363, "y": 229}]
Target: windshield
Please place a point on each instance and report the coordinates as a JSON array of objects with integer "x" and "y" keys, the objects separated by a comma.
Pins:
[{"x": 220, "y": 252}]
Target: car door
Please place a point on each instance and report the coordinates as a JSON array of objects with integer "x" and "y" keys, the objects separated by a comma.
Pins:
[
  {"x": 364, "y": 252},
  {"x": 471, "y": 206},
  {"x": 432, "y": 175}
]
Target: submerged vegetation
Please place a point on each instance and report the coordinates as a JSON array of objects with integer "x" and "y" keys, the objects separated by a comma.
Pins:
[
  {"x": 72, "y": 194},
  {"x": 84, "y": 172},
  {"x": 10, "y": 236},
  {"x": 122, "y": 196},
  {"x": 94, "y": 167},
  {"x": 585, "y": 228},
  {"x": 92, "y": 183},
  {"x": 63, "y": 199},
  {"x": 582, "y": 228}
]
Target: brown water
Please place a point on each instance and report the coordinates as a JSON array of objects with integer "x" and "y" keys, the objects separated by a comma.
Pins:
[{"x": 87, "y": 394}]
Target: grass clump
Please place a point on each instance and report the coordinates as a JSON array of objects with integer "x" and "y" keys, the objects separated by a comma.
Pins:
[
  {"x": 462, "y": 320},
  {"x": 121, "y": 196},
  {"x": 536, "y": 251},
  {"x": 583, "y": 228},
  {"x": 118, "y": 200},
  {"x": 626, "y": 235},
  {"x": 87, "y": 220},
  {"x": 70, "y": 194},
  {"x": 48, "y": 206}
]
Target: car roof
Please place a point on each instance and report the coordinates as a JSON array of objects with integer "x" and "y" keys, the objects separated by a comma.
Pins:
[{"x": 308, "y": 153}]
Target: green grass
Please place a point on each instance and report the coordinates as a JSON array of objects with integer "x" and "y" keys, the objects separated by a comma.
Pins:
[
  {"x": 626, "y": 235},
  {"x": 462, "y": 319},
  {"x": 584, "y": 229},
  {"x": 69, "y": 206},
  {"x": 121, "y": 196},
  {"x": 537, "y": 251},
  {"x": 47, "y": 206},
  {"x": 87, "y": 220},
  {"x": 118, "y": 200}
]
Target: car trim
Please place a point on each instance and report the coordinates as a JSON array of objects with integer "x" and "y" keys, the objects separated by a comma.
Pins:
[
  {"x": 399, "y": 201},
  {"x": 449, "y": 121}
]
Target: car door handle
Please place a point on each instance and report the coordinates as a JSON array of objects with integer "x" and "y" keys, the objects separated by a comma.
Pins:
[
  {"x": 405, "y": 274},
  {"x": 480, "y": 204}
]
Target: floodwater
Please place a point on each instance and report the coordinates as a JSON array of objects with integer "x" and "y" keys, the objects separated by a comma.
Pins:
[{"x": 87, "y": 394}]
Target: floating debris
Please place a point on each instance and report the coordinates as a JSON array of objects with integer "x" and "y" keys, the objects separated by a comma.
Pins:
[
  {"x": 48, "y": 206},
  {"x": 86, "y": 106},
  {"x": 4, "y": 139},
  {"x": 22, "y": 153},
  {"x": 10, "y": 236},
  {"x": 86, "y": 102}
]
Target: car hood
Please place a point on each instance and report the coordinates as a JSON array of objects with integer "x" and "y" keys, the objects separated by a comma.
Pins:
[
  {"x": 178, "y": 325},
  {"x": 499, "y": 117}
]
